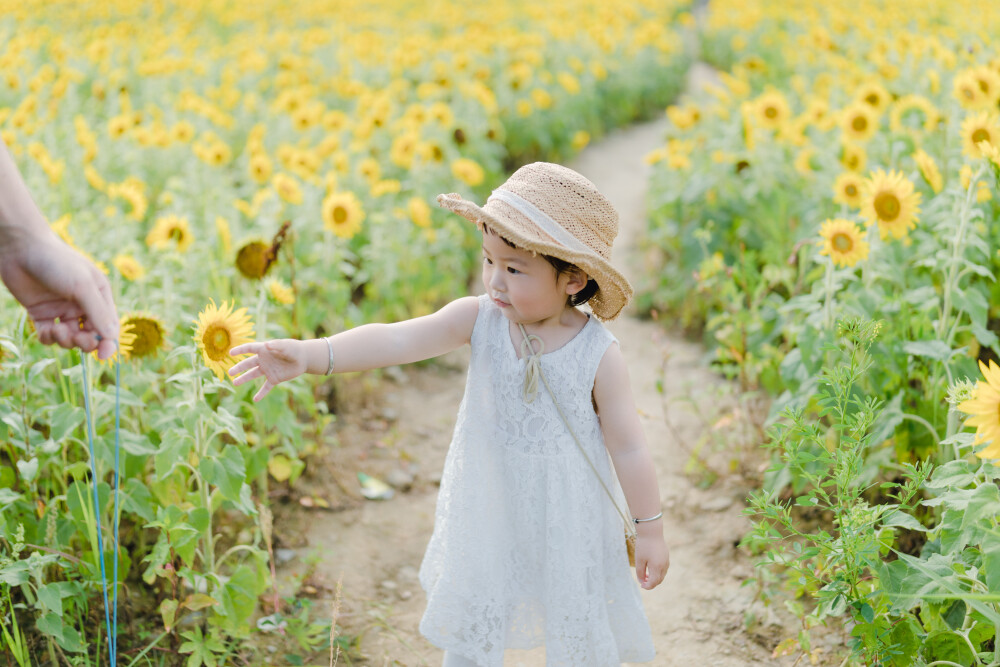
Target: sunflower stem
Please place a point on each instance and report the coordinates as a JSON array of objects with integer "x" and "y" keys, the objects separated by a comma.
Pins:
[
  {"x": 958, "y": 245},
  {"x": 828, "y": 303}
]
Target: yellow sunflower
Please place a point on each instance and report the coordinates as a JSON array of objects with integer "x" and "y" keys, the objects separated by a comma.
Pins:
[
  {"x": 912, "y": 111},
  {"x": 129, "y": 267},
  {"x": 849, "y": 189},
  {"x": 150, "y": 334},
  {"x": 981, "y": 127},
  {"x": 891, "y": 203},
  {"x": 772, "y": 110},
  {"x": 342, "y": 214},
  {"x": 859, "y": 122},
  {"x": 125, "y": 340},
  {"x": 170, "y": 229},
  {"x": 254, "y": 258},
  {"x": 990, "y": 152},
  {"x": 843, "y": 241},
  {"x": 929, "y": 170},
  {"x": 874, "y": 95},
  {"x": 467, "y": 171},
  {"x": 288, "y": 188},
  {"x": 989, "y": 84},
  {"x": 280, "y": 292},
  {"x": 419, "y": 211},
  {"x": 260, "y": 168},
  {"x": 984, "y": 408},
  {"x": 220, "y": 329},
  {"x": 853, "y": 157}
]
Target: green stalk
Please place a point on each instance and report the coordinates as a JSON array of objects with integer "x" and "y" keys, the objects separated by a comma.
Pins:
[
  {"x": 958, "y": 246},
  {"x": 828, "y": 303}
]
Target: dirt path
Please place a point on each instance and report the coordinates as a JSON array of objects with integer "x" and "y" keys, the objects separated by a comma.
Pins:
[{"x": 402, "y": 430}]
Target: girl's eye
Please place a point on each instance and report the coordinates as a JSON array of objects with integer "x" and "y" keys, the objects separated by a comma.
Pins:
[
  {"x": 512, "y": 270},
  {"x": 487, "y": 260}
]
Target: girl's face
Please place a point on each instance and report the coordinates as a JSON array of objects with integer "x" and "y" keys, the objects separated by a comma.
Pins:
[{"x": 524, "y": 285}]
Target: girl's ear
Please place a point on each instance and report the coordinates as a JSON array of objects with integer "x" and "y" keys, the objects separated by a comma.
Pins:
[{"x": 577, "y": 281}]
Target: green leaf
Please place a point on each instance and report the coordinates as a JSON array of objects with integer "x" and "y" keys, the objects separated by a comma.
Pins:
[
  {"x": 50, "y": 598},
  {"x": 955, "y": 615},
  {"x": 934, "y": 349},
  {"x": 896, "y": 518},
  {"x": 947, "y": 645},
  {"x": 905, "y": 638},
  {"x": 228, "y": 471},
  {"x": 65, "y": 635},
  {"x": 64, "y": 421},
  {"x": 954, "y": 474}
]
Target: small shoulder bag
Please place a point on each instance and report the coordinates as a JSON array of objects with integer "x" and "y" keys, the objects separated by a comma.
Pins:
[{"x": 530, "y": 390}]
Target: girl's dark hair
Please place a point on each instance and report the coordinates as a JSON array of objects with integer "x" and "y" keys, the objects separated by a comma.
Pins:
[{"x": 561, "y": 266}]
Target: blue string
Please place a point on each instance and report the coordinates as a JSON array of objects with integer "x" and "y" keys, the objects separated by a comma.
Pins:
[{"x": 112, "y": 630}]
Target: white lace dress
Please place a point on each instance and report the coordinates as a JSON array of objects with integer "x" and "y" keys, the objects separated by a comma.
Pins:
[{"x": 527, "y": 549}]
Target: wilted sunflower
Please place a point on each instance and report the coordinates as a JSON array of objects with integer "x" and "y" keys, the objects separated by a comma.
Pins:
[
  {"x": 981, "y": 127},
  {"x": 859, "y": 122},
  {"x": 129, "y": 267},
  {"x": 149, "y": 332},
  {"x": 843, "y": 241},
  {"x": 929, "y": 170},
  {"x": 891, "y": 203},
  {"x": 254, "y": 259},
  {"x": 220, "y": 329},
  {"x": 167, "y": 229},
  {"x": 849, "y": 189},
  {"x": 984, "y": 408},
  {"x": 772, "y": 110},
  {"x": 342, "y": 214}
]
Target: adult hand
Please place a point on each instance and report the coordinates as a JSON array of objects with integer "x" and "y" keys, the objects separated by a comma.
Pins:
[
  {"x": 68, "y": 297},
  {"x": 276, "y": 360}
]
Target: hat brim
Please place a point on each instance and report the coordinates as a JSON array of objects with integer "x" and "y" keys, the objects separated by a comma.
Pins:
[{"x": 614, "y": 291}]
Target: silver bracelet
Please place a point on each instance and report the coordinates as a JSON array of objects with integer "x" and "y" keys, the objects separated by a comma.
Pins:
[
  {"x": 329, "y": 347},
  {"x": 652, "y": 518}
]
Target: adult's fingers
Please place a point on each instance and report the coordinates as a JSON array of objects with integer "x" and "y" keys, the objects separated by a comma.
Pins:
[
  {"x": 246, "y": 348},
  {"x": 264, "y": 391},
  {"x": 244, "y": 365},
  {"x": 95, "y": 300}
]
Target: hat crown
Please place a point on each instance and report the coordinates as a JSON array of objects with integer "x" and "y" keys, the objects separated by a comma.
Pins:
[{"x": 571, "y": 200}]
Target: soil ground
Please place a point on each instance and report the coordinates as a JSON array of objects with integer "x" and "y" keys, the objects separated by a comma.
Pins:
[{"x": 396, "y": 424}]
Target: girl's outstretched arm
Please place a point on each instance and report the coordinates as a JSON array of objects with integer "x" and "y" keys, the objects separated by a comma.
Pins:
[
  {"x": 626, "y": 443},
  {"x": 359, "y": 349}
]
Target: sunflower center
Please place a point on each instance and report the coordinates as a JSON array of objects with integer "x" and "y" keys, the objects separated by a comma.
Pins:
[
  {"x": 887, "y": 206},
  {"x": 860, "y": 123},
  {"x": 872, "y": 99},
  {"x": 148, "y": 337},
  {"x": 969, "y": 93},
  {"x": 851, "y": 190},
  {"x": 176, "y": 234},
  {"x": 841, "y": 242},
  {"x": 216, "y": 341},
  {"x": 340, "y": 215},
  {"x": 771, "y": 112},
  {"x": 982, "y": 134}
]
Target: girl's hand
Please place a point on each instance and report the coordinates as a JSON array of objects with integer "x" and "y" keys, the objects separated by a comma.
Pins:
[
  {"x": 652, "y": 558},
  {"x": 277, "y": 360}
]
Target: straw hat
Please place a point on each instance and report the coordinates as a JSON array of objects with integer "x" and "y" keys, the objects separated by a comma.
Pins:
[{"x": 552, "y": 210}]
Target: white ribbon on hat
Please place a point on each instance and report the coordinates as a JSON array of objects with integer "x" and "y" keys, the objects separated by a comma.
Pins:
[{"x": 540, "y": 218}]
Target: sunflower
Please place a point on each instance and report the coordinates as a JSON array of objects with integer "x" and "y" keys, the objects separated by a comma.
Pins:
[
  {"x": 853, "y": 157},
  {"x": 220, "y": 329},
  {"x": 843, "y": 241},
  {"x": 990, "y": 152},
  {"x": 913, "y": 107},
  {"x": 848, "y": 189},
  {"x": 984, "y": 411},
  {"x": 859, "y": 122},
  {"x": 772, "y": 110},
  {"x": 125, "y": 340},
  {"x": 288, "y": 188},
  {"x": 342, "y": 214},
  {"x": 467, "y": 171},
  {"x": 167, "y": 229},
  {"x": 874, "y": 95},
  {"x": 968, "y": 92},
  {"x": 981, "y": 127},
  {"x": 260, "y": 167},
  {"x": 150, "y": 334},
  {"x": 929, "y": 170},
  {"x": 419, "y": 211},
  {"x": 891, "y": 203},
  {"x": 129, "y": 267},
  {"x": 225, "y": 236},
  {"x": 989, "y": 84},
  {"x": 254, "y": 259},
  {"x": 280, "y": 292}
]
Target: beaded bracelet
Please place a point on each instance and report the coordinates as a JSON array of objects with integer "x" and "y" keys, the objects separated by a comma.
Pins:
[
  {"x": 652, "y": 518},
  {"x": 329, "y": 346}
]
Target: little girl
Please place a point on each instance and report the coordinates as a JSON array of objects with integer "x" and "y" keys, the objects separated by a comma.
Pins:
[{"x": 527, "y": 549}]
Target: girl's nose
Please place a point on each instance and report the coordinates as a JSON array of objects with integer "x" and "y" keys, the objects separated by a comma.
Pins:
[{"x": 496, "y": 281}]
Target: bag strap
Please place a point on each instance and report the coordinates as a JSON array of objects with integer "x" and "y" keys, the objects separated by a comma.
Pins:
[{"x": 532, "y": 375}]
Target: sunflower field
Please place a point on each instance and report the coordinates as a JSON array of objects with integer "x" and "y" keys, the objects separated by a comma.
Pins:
[
  {"x": 245, "y": 171},
  {"x": 832, "y": 201}
]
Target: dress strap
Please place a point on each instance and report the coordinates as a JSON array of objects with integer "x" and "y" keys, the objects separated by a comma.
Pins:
[{"x": 534, "y": 364}]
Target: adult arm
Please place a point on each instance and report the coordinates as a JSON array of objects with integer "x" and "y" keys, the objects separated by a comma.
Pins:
[{"x": 67, "y": 297}]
